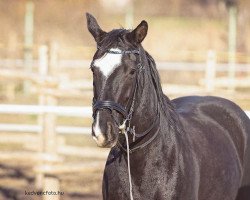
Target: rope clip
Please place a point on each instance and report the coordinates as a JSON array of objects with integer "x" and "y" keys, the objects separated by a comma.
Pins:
[{"x": 122, "y": 127}]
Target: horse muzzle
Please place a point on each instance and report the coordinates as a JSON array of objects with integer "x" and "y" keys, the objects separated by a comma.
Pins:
[{"x": 104, "y": 131}]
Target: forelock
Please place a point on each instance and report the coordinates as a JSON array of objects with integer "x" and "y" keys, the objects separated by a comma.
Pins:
[{"x": 113, "y": 39}]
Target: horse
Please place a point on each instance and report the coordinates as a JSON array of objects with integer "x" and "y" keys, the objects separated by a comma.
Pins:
[{"x": 189, "y": 148}]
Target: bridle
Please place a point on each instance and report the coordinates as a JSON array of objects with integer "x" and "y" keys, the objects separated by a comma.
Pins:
[
  {"x": 124, "y": 111},
  {"x": 111, "y": 105},
  {"x": 125, "y": 127}
]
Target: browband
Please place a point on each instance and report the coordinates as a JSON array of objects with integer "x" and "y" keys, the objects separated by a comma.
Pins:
[{"x": 122, "y": 52}]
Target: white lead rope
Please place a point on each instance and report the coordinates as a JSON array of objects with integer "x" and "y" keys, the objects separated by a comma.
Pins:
[
  {"x": 123, "y": 131},
  {"x": 129, "y": 174}
]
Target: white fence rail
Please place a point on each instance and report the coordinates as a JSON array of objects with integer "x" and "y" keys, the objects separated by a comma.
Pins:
[
  {"x": 23, "y": 128},
  {"x": 72, "y": 111},
  {"x": 69, "y": 111},
  {"x": 161, "y": 65}
]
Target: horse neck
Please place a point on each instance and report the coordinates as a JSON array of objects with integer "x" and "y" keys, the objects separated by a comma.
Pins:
[
  {"x": 145, "y": 106},
  {"x": 151, "y": 104},
  {"x": 165, "y": 146}
]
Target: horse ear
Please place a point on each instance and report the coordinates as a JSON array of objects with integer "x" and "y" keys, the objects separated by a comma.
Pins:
[
  {"x": 139, "y": 33},
  {"x": 94, "y": 28}
]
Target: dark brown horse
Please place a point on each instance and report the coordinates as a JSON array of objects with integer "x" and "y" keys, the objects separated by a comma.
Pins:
[{"x": 190, "y": 148}]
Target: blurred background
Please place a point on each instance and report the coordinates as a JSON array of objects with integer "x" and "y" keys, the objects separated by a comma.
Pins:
[{"x": 201, "y": 48}]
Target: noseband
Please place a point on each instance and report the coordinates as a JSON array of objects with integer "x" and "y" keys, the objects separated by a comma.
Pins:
[{"x": 109, "y": 105}]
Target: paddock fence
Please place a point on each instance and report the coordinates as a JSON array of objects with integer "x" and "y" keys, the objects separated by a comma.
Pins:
[
  {"x": 216, "y": 75},
  {"x": 69, "y": 111},
  {"x": 46, "y": 143},
  {"x": 46, "y": 149}
]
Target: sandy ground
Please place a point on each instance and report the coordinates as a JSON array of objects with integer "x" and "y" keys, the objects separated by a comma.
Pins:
[
  {"x": 82, "y": 183},
  {"x": 16, "y": 179}
]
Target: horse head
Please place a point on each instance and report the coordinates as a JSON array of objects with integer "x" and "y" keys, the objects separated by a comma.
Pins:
[{"x": 116, "y": 65}]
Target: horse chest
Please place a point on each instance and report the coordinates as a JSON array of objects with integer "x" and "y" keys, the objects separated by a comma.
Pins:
[{"x": 158, "y": 178}]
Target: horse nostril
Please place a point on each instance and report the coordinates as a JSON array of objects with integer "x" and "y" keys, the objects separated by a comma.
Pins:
[
  {"x": 93, "y": 133},
  {"x": 93, "y": 130}
]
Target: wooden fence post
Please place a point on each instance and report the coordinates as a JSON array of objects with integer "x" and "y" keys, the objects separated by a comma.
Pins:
[
  {"x": 232, "y": 38},
  {"x": 11, "y": 54},
  {"x": 129, "y": 16},
  {"x": 53, "y": 58},
  {"x": 28, "y": 41},
  {"x": 210, "y": 71},
  {"x": 43, "y": 70},
  {"x": 48, "y": 136}
]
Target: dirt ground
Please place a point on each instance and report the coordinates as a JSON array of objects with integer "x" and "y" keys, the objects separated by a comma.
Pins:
[
  {"x": 17, "y": 176},
  {"x": 16, "y": 180}
]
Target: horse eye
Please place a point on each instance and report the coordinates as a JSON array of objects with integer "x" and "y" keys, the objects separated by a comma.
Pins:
[{"x": 132, "y": 71}]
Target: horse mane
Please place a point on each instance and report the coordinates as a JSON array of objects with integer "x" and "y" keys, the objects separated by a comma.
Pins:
[{"x": 164, "y": 101}]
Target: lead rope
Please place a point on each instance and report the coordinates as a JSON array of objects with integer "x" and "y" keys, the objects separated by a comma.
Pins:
[
  {"x": 123, "y": 131},
  {"x": 129, "y": 173}
]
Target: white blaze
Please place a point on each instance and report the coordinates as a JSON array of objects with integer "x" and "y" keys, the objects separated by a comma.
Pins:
[
  {"x": 97, "y": 129},
  {"x": 98, "y": 136},
  {"x": 108, "y": 62}
]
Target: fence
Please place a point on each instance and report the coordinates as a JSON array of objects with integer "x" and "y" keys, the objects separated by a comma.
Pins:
[
  {"x": 47, "y": 109},
  {"x": 46, "y": 159},
  {"x": 69, "y": 111},
  {"x": 210, "y": 68}
]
